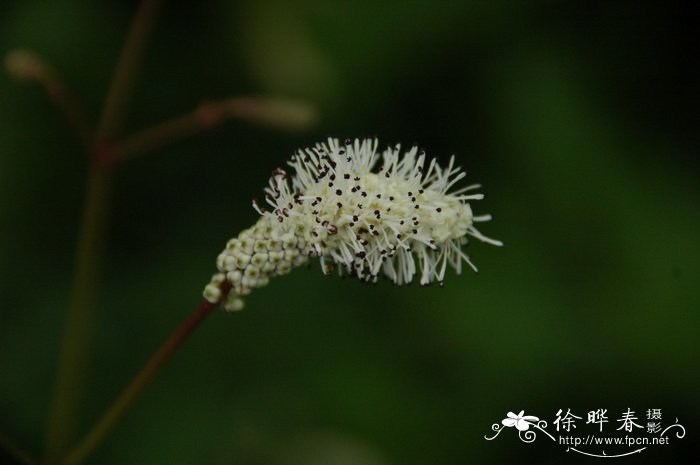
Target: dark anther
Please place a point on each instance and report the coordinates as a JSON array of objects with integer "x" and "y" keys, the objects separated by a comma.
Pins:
[{"x": 279, "y": 173}]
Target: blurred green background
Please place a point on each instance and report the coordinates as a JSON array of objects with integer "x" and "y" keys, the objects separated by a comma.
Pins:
[{"x": 580, "y": 119}]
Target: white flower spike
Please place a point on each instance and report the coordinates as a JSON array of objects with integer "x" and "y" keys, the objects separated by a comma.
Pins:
[{"x": 399, "y": 220}]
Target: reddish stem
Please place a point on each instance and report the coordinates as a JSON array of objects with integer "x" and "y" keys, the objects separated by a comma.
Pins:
[{"x": 94, "y": 438}]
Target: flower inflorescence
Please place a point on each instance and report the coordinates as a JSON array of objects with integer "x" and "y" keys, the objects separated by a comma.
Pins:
[{"x": 400, "y": 219}]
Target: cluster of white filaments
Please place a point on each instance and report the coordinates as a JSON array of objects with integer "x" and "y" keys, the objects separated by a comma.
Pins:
[{"x": 402, "y": 219}]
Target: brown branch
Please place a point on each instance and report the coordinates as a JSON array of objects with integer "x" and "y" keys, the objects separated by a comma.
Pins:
[
  {"x": 120, "y": 90},
  {"x": 279, "y": 113},
  {"x": 121, "y": 405},
  {"x": 64, "y": 417},
  {"x": 26, "y": 65}
]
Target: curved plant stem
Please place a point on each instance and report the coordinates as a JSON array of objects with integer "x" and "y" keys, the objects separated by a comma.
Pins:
[
  {"x": 29, "y": 66},
  {"x": 286, "y": 114},
  {"x": 73, "y": 358},
  {"x": 96, "y": 435},
  {"x": 63, "y": 419},
  {"x": 120, "y": 91}
]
